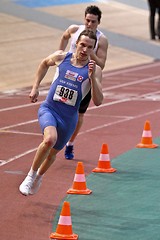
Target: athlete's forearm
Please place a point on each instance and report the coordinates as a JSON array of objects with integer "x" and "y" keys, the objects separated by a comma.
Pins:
[
  {"x": 95, "y": 75},
  {"x": 99, "y": 61},
  {"x": 40, "y": 74},
  {"x": 63, "y": 43},
  {"x": 96, "y": 92}
]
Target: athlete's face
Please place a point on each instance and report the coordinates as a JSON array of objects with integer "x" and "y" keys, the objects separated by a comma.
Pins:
[
  {"x": 91, "y": 22},
  {"x": 85, "y": 46}
]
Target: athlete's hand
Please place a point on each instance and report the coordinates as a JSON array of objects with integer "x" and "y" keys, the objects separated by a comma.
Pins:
[
  {"x": 91, "y": 68},
  {"x": 34, "y": 95}
]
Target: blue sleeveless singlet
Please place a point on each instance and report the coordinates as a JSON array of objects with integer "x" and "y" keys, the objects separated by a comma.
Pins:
[{"x": 60, "y": 109}]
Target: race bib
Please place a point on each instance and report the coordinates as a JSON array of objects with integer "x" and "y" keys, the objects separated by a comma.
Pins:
[{"x": 65, "y": 95}]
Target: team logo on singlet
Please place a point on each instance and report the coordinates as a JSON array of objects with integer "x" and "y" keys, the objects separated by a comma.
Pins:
[
  {"x": 80, "y": 78},
  {"x": 71, "y": 75}
]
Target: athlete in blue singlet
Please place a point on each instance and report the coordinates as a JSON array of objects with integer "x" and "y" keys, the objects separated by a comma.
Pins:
[
  {"x": 99, "y": 55},
  {"x": 66, "y": 92},
  {"x": 58, "y": 114}
]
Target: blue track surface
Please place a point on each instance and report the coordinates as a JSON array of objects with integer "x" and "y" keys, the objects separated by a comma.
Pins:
[{"x": 47, "y": 3}]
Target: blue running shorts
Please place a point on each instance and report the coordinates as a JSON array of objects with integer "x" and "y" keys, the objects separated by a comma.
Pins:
[{"x": 65, "y": 125}]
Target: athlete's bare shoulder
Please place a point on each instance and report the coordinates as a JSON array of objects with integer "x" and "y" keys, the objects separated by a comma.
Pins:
[
  {"x": 55, "y": 58},
  {"x": 73, "y": 28},
  {"x": 59, "y": 55},
  {"x": 103, "y": 39}
]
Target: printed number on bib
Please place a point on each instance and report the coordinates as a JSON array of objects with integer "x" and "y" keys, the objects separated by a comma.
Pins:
[{"x": 65, "y": 95}]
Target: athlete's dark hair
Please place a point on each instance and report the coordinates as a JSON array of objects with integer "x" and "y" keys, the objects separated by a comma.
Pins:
[
  {"x": 89, "y": 34},
  {"x": 93, "y": 10}
]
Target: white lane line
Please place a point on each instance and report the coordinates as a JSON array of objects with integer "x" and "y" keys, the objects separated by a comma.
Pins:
[
  {"x": 20, "y": 132},
  {"x": 106, "y": 116},
  {"x": 20, "y": 106},
  {"x": 104, "y": 89},
  {"x": 132, "y": 83},
  {"x": 105, "y": 74},
  {"x": 19, "y": 124},
  {"x": 89, "y": 109},
  {"x": 2, "y": 162},
  {"x": 134, "y": 98},
  {"x": 122, "y": 71},
  {"x": 15, "y": 172},
  {"x": 109, "y": 104},
  {"x": 17, "y": 157},
  {"x": 118, "y": 121}
]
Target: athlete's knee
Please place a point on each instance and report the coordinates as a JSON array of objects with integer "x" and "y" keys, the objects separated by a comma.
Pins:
[
  {"x": 50, "y": 136},
  {"x": 50, "y": 141}
]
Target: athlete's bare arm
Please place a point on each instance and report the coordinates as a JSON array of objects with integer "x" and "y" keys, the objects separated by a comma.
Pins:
[
  {"x": 51, "y": 60},
  {"x": 67, "y": 35},
  {"x": 95, "y": 76},
  {"x": 101, "y": 55}
]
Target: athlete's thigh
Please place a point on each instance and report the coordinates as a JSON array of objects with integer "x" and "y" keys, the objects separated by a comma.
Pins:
[
  {"x": 65, "y": 130},
  {"x": 46, "y": 118}
]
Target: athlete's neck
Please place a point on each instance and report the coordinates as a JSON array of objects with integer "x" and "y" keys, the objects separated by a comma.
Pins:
[{"x": 77, "y": 61}]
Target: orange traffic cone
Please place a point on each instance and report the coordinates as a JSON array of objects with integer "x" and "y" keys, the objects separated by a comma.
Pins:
[
  {"x": 79, "y": 184},
  {"x": 146, "y": 140},
  {"x": 104, "y": 165},
  {"x": 64, "y": 227}
]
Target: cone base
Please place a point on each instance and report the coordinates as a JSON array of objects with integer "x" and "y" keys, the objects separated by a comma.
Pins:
[
  {"x": 141, "y": 145},
  {"x": 63, "y": 236},
  {"x": 76, "y": 191},
  {"x": 104, "y": 170}
]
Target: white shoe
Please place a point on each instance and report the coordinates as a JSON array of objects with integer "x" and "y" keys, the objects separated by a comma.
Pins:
[
  {"x": 26, "y": 185},
  {"x": 36, "y": 185}
]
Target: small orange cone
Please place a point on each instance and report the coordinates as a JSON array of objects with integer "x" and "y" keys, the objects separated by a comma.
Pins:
[
  {"x": 64, "y": 227},
  {"x": 146, "y": 140},
  {"x": 79, "y": 184},
  {"x": 104, "y": 165}
]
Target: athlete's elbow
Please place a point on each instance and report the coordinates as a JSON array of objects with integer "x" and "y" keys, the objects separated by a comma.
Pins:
[
  {"x": 98, "y": 101},
  {"x": 102, "y": 65}
]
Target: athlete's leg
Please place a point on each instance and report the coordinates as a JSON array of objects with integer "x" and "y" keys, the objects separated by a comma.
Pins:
[
  {"x": 69, "y": 154},
  {"x": 41, "y": 171},
  {"x": 48, "y": 161},
  {"x": 32, "y": 182},
  {"x": 83, "y": 108},
  {"x": 43, "y": 151},
  {"x": 78, "y": 127}
]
